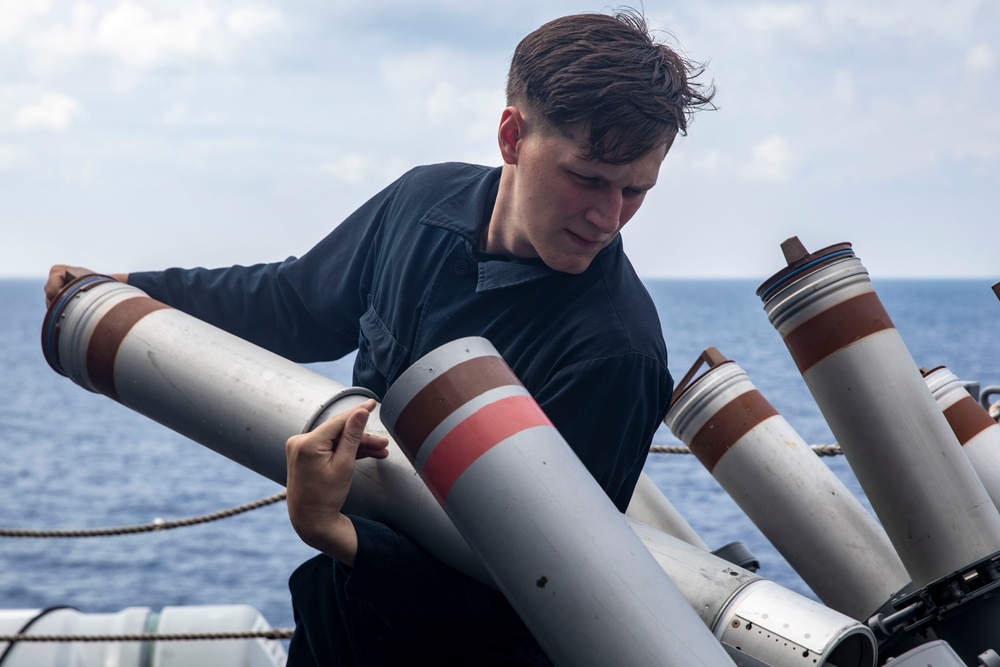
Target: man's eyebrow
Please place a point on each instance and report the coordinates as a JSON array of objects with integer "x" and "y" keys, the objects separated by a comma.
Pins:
[{"x": 585, "y": 173}]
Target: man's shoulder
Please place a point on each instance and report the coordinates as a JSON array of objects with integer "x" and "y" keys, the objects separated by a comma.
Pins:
[
  {"x": 443, "y": 176},
  {"x": 422, "y": 188}
]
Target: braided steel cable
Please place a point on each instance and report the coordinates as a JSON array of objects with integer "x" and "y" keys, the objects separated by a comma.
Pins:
[
  {"x": 153, "y": 526},
  {"x": 820, "y": 450},
  {"x": 159, "y": 524},
  {"x": 271, "y": 633}
]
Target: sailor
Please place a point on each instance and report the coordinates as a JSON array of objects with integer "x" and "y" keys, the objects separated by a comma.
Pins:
[{"x": 527, "y": 255}]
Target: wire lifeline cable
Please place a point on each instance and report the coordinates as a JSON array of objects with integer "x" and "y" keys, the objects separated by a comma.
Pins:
[
  {"x": 272, "y": 633},
  {"x": 819, "y": 450},
  {"x": 146, "y": 527}
]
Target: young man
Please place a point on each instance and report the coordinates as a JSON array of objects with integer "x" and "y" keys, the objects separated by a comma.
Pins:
[{"x": 527, "y": 255}]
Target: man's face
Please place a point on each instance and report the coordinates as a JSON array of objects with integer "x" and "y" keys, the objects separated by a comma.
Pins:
[{"x": 566, "y": 208}]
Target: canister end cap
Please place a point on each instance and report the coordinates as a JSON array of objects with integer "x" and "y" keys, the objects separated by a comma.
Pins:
[
  {"x": 799, "y": 262},
  {"x": 711, "y": 358}
]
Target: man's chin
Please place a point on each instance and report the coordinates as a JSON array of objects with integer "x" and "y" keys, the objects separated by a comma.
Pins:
[{"x": 571, "y": 265}]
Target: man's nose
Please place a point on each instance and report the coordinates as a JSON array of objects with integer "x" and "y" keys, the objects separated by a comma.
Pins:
[{"x": 606, "y": 211}]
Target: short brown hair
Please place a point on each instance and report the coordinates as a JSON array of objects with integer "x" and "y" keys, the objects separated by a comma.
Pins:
[{"x": 608, "y": 73}]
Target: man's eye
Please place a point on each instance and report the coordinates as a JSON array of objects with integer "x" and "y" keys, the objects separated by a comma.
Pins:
[{"x": 587, "y": 181}]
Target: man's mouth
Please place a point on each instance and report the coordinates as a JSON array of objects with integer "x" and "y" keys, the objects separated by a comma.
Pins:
[{"x": 584, "y": 241}]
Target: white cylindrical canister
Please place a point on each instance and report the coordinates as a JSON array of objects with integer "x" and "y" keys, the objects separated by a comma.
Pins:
[
  {"x": 813, "y": 520},
  {"x": 976, "y": 431},
  {"x": 553, "y": 541},
  {"x": 651, "y": 507},
  {"x": 213, "y": 387},
  {"x": 923, "y": 488},
  {"x": 758, "y": 621},
  {"x": 88, "y": 651}
]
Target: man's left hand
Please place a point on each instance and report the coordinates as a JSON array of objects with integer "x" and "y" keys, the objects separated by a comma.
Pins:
[{"x": 320, "y": 465}]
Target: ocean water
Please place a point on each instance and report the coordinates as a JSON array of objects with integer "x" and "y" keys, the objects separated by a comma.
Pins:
[{"x": 72, "y": 459}]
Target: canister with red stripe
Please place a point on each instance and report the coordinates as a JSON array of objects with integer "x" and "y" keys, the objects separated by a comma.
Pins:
[
  {"x": 906, "y": 457},
  {"x": 554, "y": 543},
  {"x": 806, "y": 512},
  {"x": 976, "y": 431}
]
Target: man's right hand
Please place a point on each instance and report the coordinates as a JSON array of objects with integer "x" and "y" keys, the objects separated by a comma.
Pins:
[{"x": 61, "y": 274}]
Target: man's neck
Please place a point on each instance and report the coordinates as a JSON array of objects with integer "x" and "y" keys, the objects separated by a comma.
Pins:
[{"x": 492, "y": 239}]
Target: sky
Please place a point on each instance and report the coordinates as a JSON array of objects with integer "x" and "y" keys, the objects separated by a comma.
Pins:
[{"x": 141, "y": 135}]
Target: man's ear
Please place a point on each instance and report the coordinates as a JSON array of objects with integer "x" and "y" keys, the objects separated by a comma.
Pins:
[{"x": 510, "y": 133}]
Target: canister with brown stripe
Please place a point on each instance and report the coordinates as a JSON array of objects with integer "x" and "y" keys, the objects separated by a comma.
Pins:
[
  {"x": 229, "y": 395},
  {"x": 906, "y": 457},
  {"x": 806, "y": 512},
  {"x": 976, "y": 431},
  {"x": 211, "y": 386},
  {"x": 556, "y": 546}
]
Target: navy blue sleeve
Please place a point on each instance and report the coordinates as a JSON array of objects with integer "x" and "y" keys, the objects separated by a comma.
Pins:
[
  {"x": 608, "y": 410},
  {"x": 305, "y": 309}
]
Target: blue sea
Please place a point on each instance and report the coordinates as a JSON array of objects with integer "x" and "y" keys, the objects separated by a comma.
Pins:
[{"x": 73, "y": 459}]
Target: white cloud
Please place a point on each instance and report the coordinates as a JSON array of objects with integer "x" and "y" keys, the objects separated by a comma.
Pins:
[
  {"x": 767, "y": 26},
  {"x": 443, "y": 102},
  {"x": 909, "y": 18},
  {"x": 352, "y": 169},
  {"x": 15, "y": 14},
  {"x": 980, "y": 59},
  {"x": 130, "y": 32},
  {"x": 456, "y": 89},
  {"x": 771, "y": 160},
  {"x": 12, "y": 157},
  {"x": 177, "y": 114},
  {"x": 180, "y": 113},
  {"x": 54, "y": 111},
  {"x": 68, "y": 41},
  {"x": 364, "y": 170},
  {"x": 477, "y": 110},
  {"x": 777, "y": 17},
  {"x": 711, "y": 160},
  {"x": 144, "y": 36},
  {"x": 416, "y": 70},
  {"x": 845, "y": 90},
  {"x": 251, "y": 21}
]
